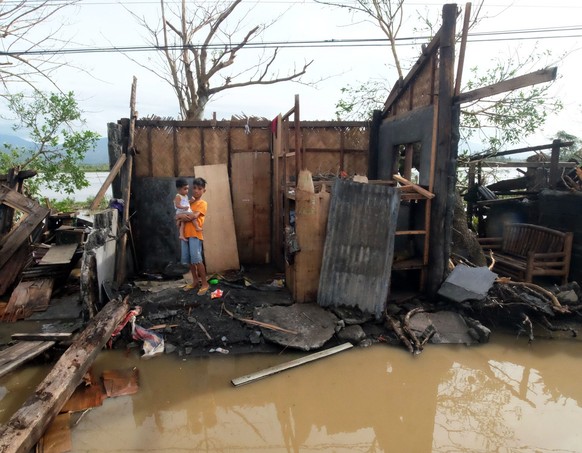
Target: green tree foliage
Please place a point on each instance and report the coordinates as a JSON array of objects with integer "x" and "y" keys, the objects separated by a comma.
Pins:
[
  {"x": 54, "y": 123},
  {"x": 508, "y": 118},
  {"x": 573, "y": 151}
]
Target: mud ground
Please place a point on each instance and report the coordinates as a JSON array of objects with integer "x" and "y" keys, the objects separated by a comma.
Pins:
[{"x": 194, "y": 325}]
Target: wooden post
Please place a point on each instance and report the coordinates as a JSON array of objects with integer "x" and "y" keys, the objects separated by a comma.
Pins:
[
  {"x": 443, "y": 203},
  {"x": 27, "y": 425},
  {"x": 554, "y": 159},
  {"x": 462, "y": 48},
  {"x": 122, "y": 255},
  {"x": 470, "y": 204},
  {"x": 296, "y": 125}
]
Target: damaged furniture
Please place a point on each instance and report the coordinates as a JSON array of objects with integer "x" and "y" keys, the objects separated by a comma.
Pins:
[{"x": 526, "y": 251}]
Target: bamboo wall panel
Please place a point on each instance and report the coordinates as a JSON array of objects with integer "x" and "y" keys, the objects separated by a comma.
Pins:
[
  {"x": 215, "y": 146},
  {"x": 321, "y": 138},
  {"x": 162, "y": 153},
  {"x": 142, "y": 158},
  {"x": 322, "y": 162},
  {"x": 420, "y": 92},
  {"x": 188, "y": 150},
  {"x": 357, "y": 138},
  {"x": 356, "y": 163},
  {"x": 259, "y": 139},
  {"x": 251, "y": 199}
]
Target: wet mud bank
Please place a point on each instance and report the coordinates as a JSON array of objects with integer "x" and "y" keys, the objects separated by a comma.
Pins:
[{"x": 256, "y": 316}]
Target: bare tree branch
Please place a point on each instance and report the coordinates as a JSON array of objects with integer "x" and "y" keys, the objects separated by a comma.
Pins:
[
  {"x": 22, "y": 23},
  {"x": 200, "y": 54}
]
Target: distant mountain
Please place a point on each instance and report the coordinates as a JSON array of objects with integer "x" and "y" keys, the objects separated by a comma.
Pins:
[{"x": 99, "y": 155}]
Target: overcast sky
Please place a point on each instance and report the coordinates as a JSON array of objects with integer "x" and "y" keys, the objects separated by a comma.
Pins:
[{"x": 103, "y": 86}]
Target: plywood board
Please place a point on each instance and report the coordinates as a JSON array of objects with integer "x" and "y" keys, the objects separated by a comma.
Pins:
[
  {"x": 251, "y": 188},
  {"x": 359, "y": 246},
  {"x": 59, "y": 254},
  {"x": 220, "y": 250}
]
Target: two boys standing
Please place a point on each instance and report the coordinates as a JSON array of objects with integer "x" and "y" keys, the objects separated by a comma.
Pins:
[{"x": 190, "y": 217}]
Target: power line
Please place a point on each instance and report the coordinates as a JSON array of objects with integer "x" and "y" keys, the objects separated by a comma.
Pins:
[{"x": 495, "y": 36}]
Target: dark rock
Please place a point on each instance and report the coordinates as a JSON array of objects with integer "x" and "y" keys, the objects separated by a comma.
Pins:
[{"x": 354, "y": 334}]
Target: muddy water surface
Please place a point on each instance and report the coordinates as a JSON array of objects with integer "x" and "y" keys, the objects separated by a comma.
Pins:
[{"x": 504, "y": 396}]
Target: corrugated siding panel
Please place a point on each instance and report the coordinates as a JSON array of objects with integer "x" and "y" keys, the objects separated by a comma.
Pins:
[{"x": 359, "y": 246}]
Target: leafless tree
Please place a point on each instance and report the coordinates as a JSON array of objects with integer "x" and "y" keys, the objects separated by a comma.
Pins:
[
  {"x": 200, "y": 42},
  {"x": 27, "y": 42},
  {"x": 387, "y": 14}
]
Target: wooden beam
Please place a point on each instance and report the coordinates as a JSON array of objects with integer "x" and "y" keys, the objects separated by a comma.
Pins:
[
  {"x": 285, "y": 366},
  {"x": 27, "y": 425},
  {"x": 487, "y": 154},
  {"x": 518, "y": 164},
  {"x": 110, "y": 177},
  {"x": 415, "y": 187},
  {"x": 533, "y": 78}
]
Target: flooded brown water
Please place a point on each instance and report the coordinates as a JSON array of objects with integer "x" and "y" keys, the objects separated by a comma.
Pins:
[{"x": 505, "y": 396}]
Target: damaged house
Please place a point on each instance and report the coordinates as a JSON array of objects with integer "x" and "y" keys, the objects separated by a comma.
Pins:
[{"x": 351, "y": 213}]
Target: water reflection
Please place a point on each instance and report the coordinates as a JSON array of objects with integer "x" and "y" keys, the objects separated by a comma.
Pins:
[{"x": 504, "y": 396}]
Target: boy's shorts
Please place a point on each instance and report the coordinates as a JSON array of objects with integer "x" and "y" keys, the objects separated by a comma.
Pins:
[{"x": 191, "y": 251}]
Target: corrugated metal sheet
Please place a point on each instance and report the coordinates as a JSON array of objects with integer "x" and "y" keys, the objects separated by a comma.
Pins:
[{"x": 359, "y": 246}]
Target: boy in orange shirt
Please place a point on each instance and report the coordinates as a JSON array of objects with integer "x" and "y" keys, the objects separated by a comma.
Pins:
[{"x": 191, "y": 248}]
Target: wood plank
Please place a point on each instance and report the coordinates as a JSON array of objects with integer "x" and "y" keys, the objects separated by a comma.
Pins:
[
  {"x": 247, "y": 379},
  {"x": 220, "y": 250},
  {"x": 42, "y": 336},
  {"x": 533, "y": 78},
  {"x": 14, "y": 356},
  {"x": 251, "y": 186},
  {"x": 415, "y": 187},
  {"x": 59, "y": 254},
  {"x": 26, "y": 426}
]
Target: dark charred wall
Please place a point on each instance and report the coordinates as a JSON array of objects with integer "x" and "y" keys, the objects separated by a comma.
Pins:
[
  {"x": 413, "y": 127},
  {"x": 561, "y": 211}
]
